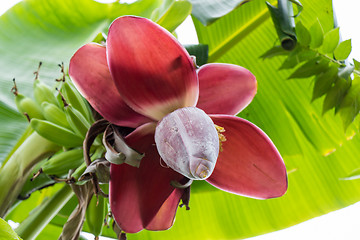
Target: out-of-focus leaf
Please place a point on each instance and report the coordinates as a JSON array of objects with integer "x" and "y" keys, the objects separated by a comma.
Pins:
[
  {"x": 290, "y": 62},
  {"x": 41, "y": 216},
  {"x": 324, "y": 81},
  {"x": 302, "y": 34},
  {"x": 274, "y": 51},
  {"x": 6, "y": 231},
  {"x": 158, "y": 12},
  {"x": 317, "y": 34},
  {"x": 350, "y": 106},
  {"x": 336, "y": 94},
  {"x": 331, "y": 40},
  {"x": 306, "y": 54},
  {"x": 63, "y": 215},
  {"x": 175, "y": 15},
  {"x": 312, "y": 67},
  {"x": 207, "y": 11},
  {"x": 50, "y": 232},
  {"x": 297, "y": 56},
  {"x": 356, "y": 65},
  {"x": 343, "y": 50},
  {"x": 22, "y": 209},
  {"x": 200, "y": 51}
]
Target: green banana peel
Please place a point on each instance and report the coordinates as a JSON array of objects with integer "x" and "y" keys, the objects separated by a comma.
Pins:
[
  {"x": 55, "y": 133},
  {"x": 16, "y": 170}
]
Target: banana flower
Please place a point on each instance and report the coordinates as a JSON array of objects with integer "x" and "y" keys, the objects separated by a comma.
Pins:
[{"x": 184, "y": 123}]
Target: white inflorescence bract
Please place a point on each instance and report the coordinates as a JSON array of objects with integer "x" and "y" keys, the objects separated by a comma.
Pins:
[{"x": 188, "y": 142}]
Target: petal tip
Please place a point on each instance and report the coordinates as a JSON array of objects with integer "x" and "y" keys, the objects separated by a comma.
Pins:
[{"x": 225, "y": 88}]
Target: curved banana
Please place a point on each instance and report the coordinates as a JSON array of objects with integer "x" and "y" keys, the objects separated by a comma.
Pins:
[
  {"x": 77, "y": 120},
  {"x": 55, "y": 133},
  {"x": 74, "y": 98},
  {"x": 43, "y": 93},
  {"x": 54, "y": 114},
  {"x": 28, "y": 107},
  {"x": 62, "y": 162},
  {"x": 95, "y": 215}
]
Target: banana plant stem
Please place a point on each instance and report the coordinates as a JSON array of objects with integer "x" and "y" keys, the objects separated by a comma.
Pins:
[
  {"x": 31, "y": 227},
  {"x": 16, "y": 170},
  {"x": 28, "y": 131}
]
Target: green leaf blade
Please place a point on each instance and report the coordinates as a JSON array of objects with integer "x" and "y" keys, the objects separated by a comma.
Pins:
[
  {"x": 317, "y": 35},
  {"x": 302, "y": 34},
  {"x": 324, "y": 81},
  {"x": 331, "y": 40},
  {"x": 310, "y": 68},
  {"x": 336, "y": 94},
  {"x": 356, "y": 65},
  {"x": 6, "y": 231},
  {"x": 273, "y": 52},
  {"x": 350, "y": 106},
  {"x": 343, "y": 50},
  {"x": 175, "y": 15}
]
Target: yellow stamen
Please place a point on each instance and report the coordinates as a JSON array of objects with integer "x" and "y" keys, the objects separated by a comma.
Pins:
[{"x": 222, "y": 137}]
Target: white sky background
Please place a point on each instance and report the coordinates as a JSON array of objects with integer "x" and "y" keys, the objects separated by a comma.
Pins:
[{"x": 343, "y": 224}]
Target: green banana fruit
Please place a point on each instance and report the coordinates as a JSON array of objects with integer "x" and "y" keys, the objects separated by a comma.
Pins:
[
  {"x": 77, "y": 120},
  {"x": 95, "y": 214},
  {"x": 97, "y": 153},
  {"x": 43, "y": 93},
  {"x": 55, "y": 133},
  {"x": 62, "y": 162},
  {"x": 74, "y": 98},
  {"x": 28, "y": 107},
  {"x": 54, "y": 114},
  {"x": 78, "y": 172}
]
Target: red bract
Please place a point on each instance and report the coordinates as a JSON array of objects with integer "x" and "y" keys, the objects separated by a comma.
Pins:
[{"x": 141, "y": 76}]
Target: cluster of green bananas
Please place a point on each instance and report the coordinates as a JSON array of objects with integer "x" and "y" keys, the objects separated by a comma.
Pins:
[{"x": 62, "y": 117}]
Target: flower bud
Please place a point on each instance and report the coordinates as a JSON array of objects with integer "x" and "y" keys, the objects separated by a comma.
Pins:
[{"x": 188, "y": 142}]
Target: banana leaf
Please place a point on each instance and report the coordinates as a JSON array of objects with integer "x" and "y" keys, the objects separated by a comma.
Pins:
[{"x": 317, "y": 152}]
